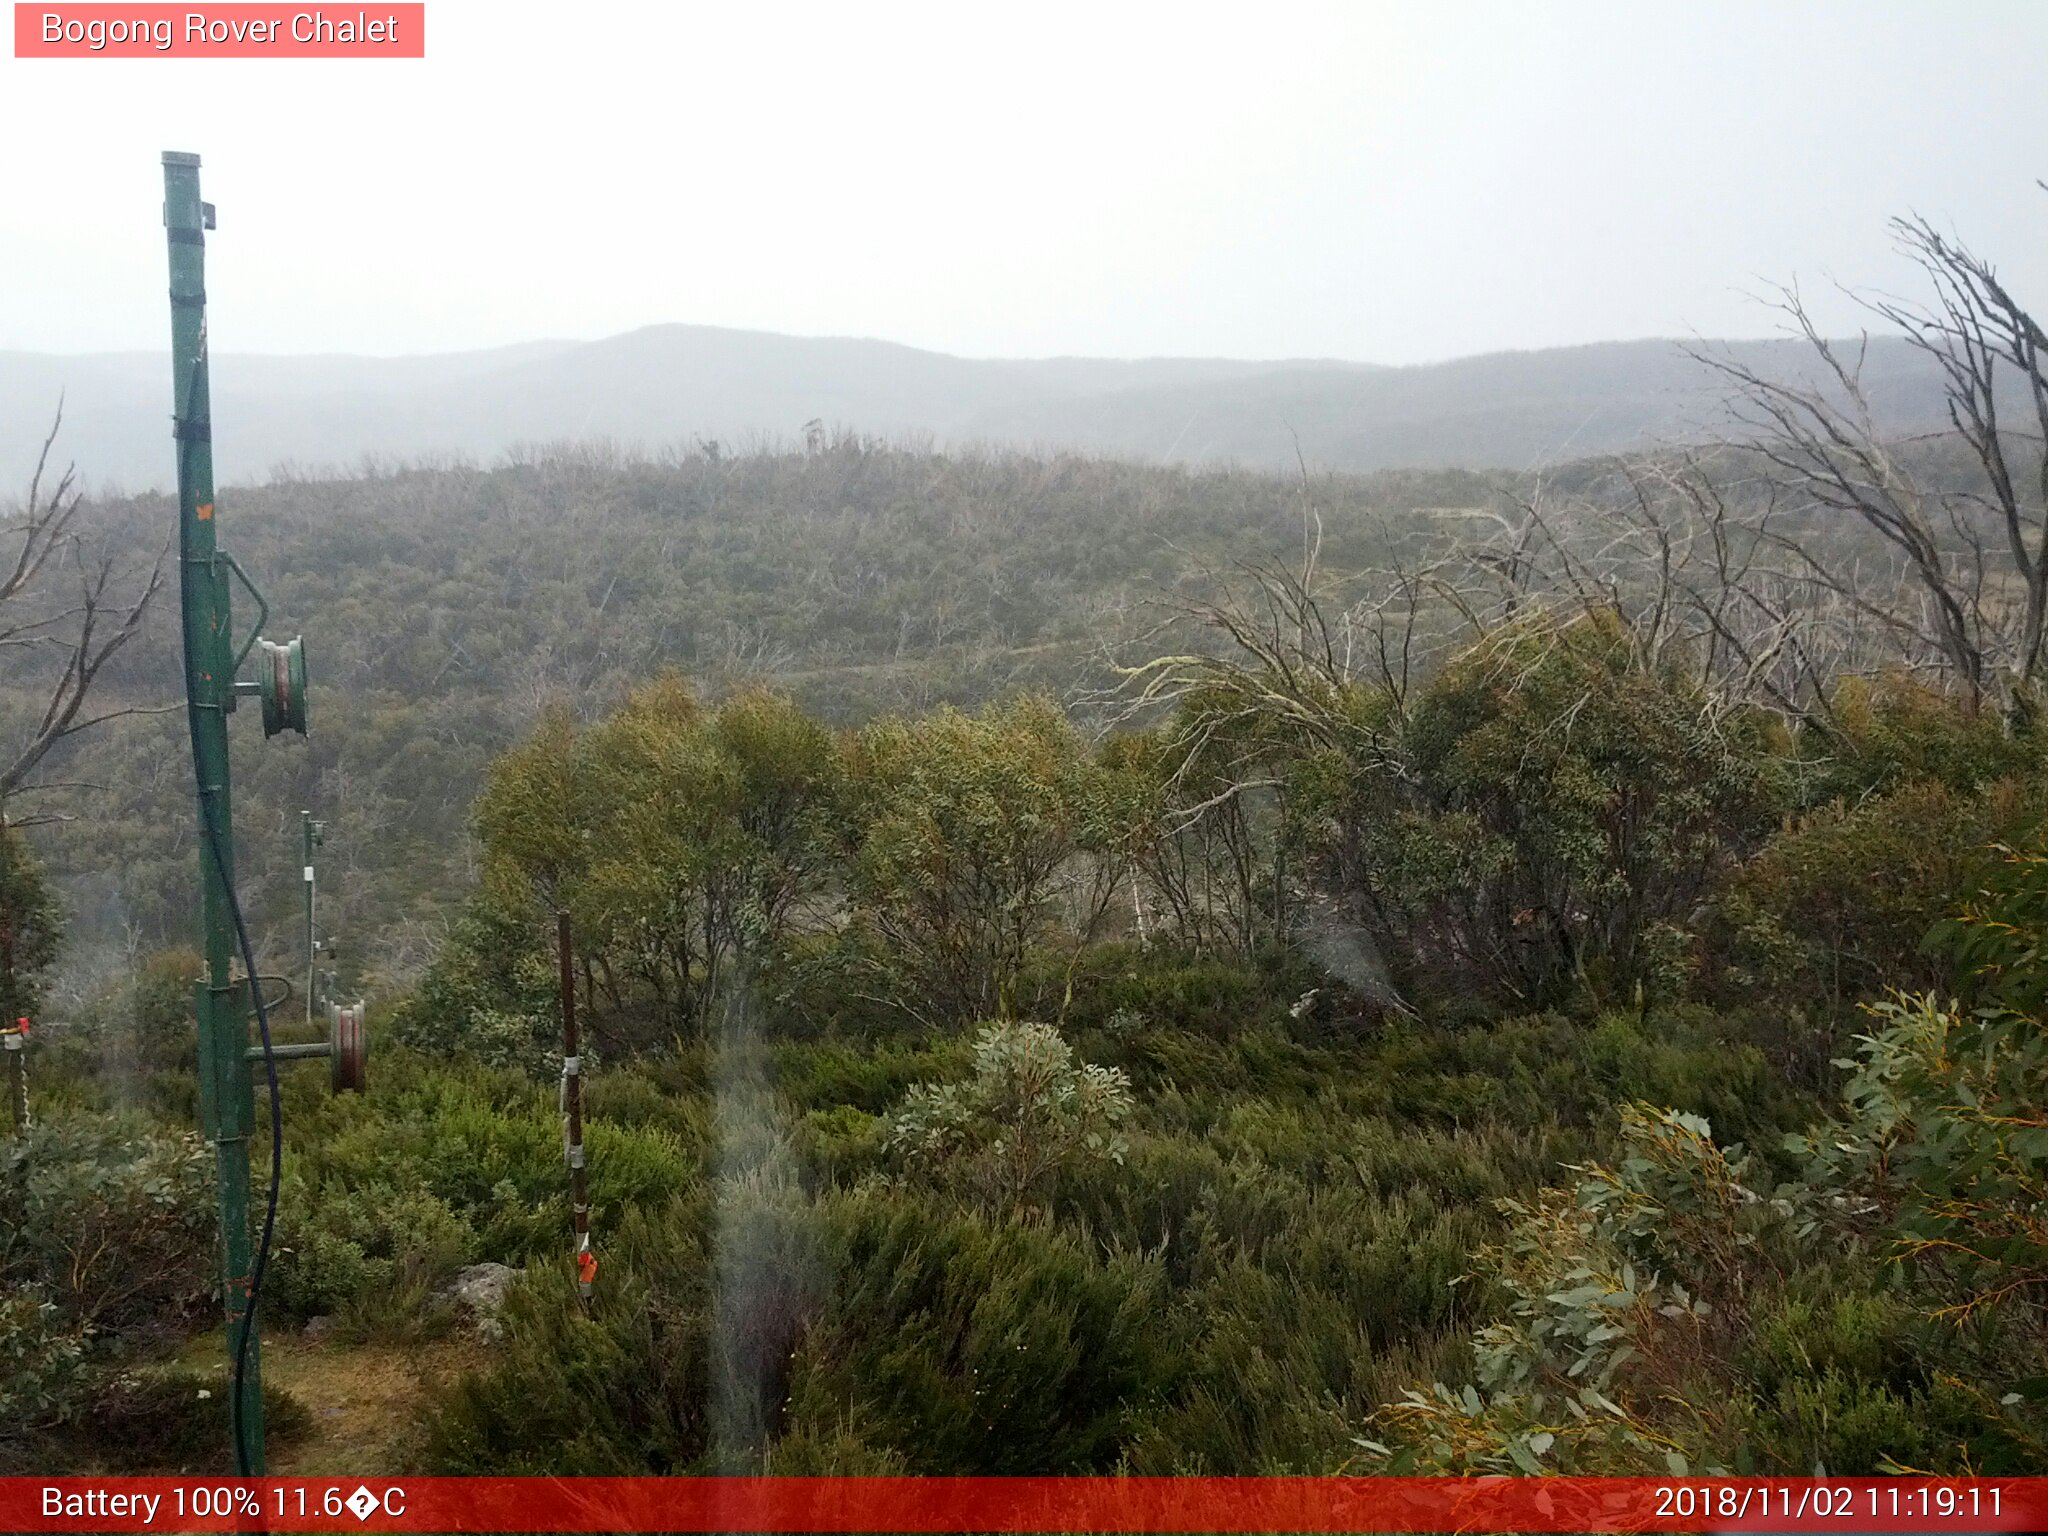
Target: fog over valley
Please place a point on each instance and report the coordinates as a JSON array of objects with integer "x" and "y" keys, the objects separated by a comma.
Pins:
[{"x": 678, "y": 385}]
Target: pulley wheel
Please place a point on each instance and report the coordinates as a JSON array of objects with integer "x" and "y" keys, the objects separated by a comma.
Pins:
[
  {"x": 283, "y": 681},
  {"x": 348, "y": 1048}
]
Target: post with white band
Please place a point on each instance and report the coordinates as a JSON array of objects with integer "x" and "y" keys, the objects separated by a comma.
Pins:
[{"x": 572, "y": 1114}]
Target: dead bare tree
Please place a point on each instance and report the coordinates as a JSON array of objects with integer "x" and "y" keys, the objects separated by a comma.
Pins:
[
  {"x": 1972, "y": 598},
  {"x": 74, "y": 631},
  {"x": 1690, "y": 552}
]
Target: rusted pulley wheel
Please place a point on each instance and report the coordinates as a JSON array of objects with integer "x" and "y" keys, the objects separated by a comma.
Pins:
[
  {"x": 282, "y": 683},
  {"x": 348, "y": 1053}
]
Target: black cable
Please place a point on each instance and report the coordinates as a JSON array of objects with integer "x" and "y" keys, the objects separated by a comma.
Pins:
[
  {"x": 215, "y": 843},
  {"x": 262, "y": 1264}
]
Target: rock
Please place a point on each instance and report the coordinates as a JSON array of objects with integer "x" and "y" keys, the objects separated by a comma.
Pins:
[
  {"x": 318, "y": 1328},
  {"x": 479, "y": 1292}
]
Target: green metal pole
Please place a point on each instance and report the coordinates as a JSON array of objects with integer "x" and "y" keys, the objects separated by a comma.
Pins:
[{"x": 226, "y": 1086}]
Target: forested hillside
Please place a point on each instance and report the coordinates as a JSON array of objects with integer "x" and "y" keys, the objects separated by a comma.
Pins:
[{"x": 442, "y": 608}]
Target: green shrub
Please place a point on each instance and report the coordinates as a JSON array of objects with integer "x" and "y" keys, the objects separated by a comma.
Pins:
[
  {"x": 1546, "y": 817},
  {"x": 626, "y": 1388},
  {"x": 1856, "y": 1381},
  {"x": 490, "y": 995},
  {"x": 681, "y": 1365},
  {"x": 827, "y": 1447},
  {"x": 1839, "y": 906},
  {"x": 770, "y": 1275},
  {"x": 112, "y": 1217},
  {"x": 1943, "y": 1157},
  {"x": 1564, "y": 1076},
  {"x": 485, "y": 1145},
  {"x": 1160, "y": 989},
  {"x": 66, "y": 1410},
  {"x": 1616, "y": 1290},
  {"x": 964, "y": 833},
  {"x": 133, "y": 1045},
  {"x": 837, "y": 984},
  {"x": 374, "y": 1252},
  {"x": 969, "y": 1345},
  {"x": 727, "y": 1331},
  {"x": 1028, "y": 1112},
  {"x": 843, "y": 1145},
  {"x": 42, "y": 1366},
  {"x": 869, "y": 1076},
  {"x": 1268, "y": 1376},
  {"x": 1884, "y": 733},
  {"x": 660, "y": 1094},
  {"x": 33, "y": 923},
  {"x": 172, "y": 1420}
]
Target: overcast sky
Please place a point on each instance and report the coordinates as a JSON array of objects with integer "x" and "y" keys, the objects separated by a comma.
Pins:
[{"x": 1384, "y": 182}]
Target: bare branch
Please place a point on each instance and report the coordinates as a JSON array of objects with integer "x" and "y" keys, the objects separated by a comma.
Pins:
[{"x": 85, "y": 635}]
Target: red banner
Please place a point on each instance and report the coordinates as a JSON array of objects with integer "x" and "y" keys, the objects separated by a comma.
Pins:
[
  {"x": 915, "y": 1504},
  {"x": 224, "y": 31}
]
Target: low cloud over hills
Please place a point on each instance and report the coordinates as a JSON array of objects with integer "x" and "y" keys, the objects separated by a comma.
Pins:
[{"x": 677, "y": 383}]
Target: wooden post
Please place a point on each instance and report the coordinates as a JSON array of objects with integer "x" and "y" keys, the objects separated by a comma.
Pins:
[
  {"x": 572, "y": 1112},
  {"x": 15, "y": 1039}
]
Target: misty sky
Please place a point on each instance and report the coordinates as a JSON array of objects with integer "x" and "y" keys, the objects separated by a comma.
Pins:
[{"x": 1392, "y": 183}]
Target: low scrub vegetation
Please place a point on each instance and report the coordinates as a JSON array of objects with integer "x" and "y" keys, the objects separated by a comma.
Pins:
[
  {"x": 1493, "y": 1100},
  {"x": 1562, "y": 1010}
]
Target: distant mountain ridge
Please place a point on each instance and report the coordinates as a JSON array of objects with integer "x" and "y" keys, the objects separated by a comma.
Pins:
[{"x": 678, "y": 383}]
